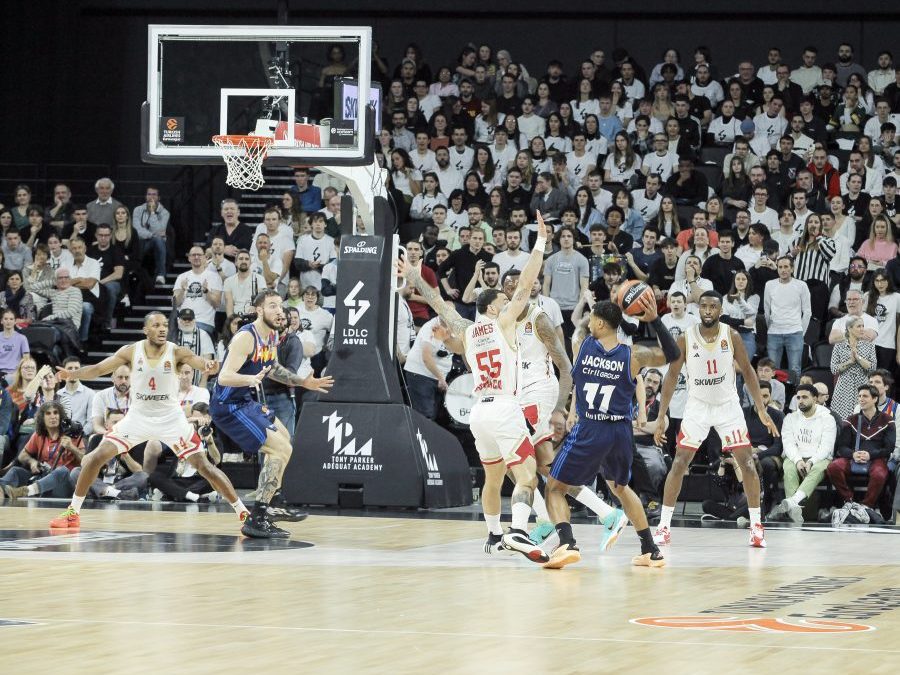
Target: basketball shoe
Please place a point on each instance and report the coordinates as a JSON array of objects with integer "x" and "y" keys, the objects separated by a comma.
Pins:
[
  {"x": 279, "y": 509},
  {"x": 541, "y": 532},
  {"x": 67, "y": 520},
  {"x": 662, "y": 536},
  {"x": 258, "y": 526},
  {"x": 494, "y": 544},
  {"x": 757, "y": 536},
  {"x": 517, "y": 540},
  {"x": 652, "y": 559},
  {"x": 564, "y": 554},
  {"x": 613, "y": 525}
]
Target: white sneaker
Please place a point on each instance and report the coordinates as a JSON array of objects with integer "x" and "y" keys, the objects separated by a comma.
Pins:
[{"x": 160, "y": 280}]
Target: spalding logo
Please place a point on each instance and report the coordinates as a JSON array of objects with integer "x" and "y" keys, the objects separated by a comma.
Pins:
[
  {"x": 759, "y": 625},
  {"x": 633, "y": 294}
]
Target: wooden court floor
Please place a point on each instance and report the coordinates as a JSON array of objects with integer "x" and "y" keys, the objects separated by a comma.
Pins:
[{"x": 148, "y": 591}]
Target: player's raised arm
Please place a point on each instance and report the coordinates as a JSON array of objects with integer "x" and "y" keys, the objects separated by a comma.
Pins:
[
  {"x": 530, "y": 273},
  {"x": 740, "y": 356},
  {"x": 668, "y": 350},
  {"x": 122, "y": 357},
  {"x": 413, "y": 274}
]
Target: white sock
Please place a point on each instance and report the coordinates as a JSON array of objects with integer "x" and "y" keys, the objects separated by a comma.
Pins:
[
  {"x": 239, "y": 507},
  {"x": 665, "y": 516},
  {"x": 540, "y": 506},
  {"x": 520, "y": 513},
  {"x": 755, "y": 516},
  {"x": 493, "y": 524},
  {"x": 192, "y": 496},
  {"x": 590, "y": 499},
  {"x": 34, "y": 490},
  {"x": 76, "y": 503},
  {"x": 112, "y": 492}
]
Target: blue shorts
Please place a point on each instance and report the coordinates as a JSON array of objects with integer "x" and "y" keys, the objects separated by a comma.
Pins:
[
  {"x": 592, "y": 448},
  {"x": 247, "y": 423}
]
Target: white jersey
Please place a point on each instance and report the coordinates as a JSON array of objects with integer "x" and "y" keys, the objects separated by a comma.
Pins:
[
  {"x": 493, "y": 361},
  {"x": 535, "y": 365},
  {"x": 154, "y": 387},
  {"x": 710, "y": 367}
]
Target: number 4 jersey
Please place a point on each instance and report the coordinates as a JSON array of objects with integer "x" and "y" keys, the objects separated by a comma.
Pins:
[
  {"x": 492, "y": 360},
  {"x": 604, "y": 385}
]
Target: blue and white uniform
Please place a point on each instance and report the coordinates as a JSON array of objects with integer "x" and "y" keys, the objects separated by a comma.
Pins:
[
  {"x": 602, "y": 440},
  {"x": 234, "y": 410}
]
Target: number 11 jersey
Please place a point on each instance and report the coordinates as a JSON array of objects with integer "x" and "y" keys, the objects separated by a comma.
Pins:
[{"x": 710, "y": 367}]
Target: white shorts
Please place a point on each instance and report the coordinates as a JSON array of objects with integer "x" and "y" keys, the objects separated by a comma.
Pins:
[
  {"x": 727, "y": 419},
  {"x": 538, "y": 405},
  {"x": 173, "y": 431},
  {"x": 500, "y": 432}
]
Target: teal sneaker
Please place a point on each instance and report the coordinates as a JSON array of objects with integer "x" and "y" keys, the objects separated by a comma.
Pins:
[
  {"x": 541, "y": 532},
  {"x": 613, "y": 525}
]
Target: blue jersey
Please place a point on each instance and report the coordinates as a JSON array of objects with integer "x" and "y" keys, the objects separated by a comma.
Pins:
[
  {"x": 604, "y": 386},
  {"x": 265, "y": 353}
]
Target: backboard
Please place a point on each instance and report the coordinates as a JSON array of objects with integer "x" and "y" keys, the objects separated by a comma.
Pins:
[{"x": 208, "y": 80}]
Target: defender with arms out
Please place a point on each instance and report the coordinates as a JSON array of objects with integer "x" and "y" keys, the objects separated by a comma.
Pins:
[
  {"x": 154, "y": 413},
  {"x": 252, "y": 356}
]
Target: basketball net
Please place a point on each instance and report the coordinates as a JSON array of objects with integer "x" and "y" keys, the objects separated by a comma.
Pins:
[{"x": 244, "y": 157}]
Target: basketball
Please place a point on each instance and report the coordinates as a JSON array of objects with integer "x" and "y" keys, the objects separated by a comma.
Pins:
[{"x": 628, "y": 296}]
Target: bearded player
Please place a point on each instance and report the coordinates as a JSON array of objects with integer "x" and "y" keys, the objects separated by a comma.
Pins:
[
  {"x": 501, "y": 436},
  {"x": 154, "y": 413},
  {"x": 251, "y": 356},
  {"x": 709, "y": 351}
]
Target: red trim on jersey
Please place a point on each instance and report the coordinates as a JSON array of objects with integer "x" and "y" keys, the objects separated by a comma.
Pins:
[
  {"x": 493, "y": 461},
  {"x": 732, "y": 448},
  {"x": 195, "y": 440},
  {"x": 531, "y": 413},
  {"x": 118, "y": 441},
  {"x": 679, "y": 442},
  {"x": 524, "y": 451},
  {"x": 548, "y": 437}
]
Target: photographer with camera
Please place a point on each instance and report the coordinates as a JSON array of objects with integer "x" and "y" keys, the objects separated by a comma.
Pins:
[
  {"x": 177, "y": 479},
  {"x": 54, "y": 449}
]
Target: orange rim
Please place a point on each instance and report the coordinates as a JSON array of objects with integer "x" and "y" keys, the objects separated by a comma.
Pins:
[{"x": 249, "y": 140}]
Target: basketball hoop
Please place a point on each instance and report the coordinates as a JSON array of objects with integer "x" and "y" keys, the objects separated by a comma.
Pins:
[{"x": 244, "y": 156}]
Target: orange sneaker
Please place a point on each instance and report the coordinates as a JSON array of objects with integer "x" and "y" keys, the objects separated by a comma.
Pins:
[
  {"x": 67, "y": 520},
  {"x": 757, "y": 536}
]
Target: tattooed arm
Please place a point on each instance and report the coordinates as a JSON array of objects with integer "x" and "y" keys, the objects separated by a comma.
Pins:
[
  {"x": 281, "y": 374},
  {"x": 557, "y": 351},
  {"x": 529, "y": 275},
  {"x": 432, "y": 296}
]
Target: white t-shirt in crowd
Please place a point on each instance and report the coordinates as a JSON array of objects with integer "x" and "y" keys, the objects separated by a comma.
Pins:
[
  {"x": 243, "y": 291},
  {"x": 664, "y": 165},
  {"x": 678, "y": 327},
  {"x": 317, "y": 321},
  {"x": 414, "y": 360},
  {"x": 318, "y": 250},
  {"x": 195, "y": 298},
  {"x": 88, "y": 269},
  {"x": 886, "y": 309}
]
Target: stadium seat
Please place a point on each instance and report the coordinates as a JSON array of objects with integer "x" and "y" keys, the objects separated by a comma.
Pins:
[{"x": 822, "y": 354}]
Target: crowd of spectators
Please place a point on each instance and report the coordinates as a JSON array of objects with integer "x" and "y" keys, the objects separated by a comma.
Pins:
[{"x": 775, "y": 185}]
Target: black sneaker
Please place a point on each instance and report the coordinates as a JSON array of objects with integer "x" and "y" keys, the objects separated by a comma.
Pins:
[
  {"x": 260, "y": 527},
  {"x": 285, "y": 512},
  {"x": 494, "y": 543},
  {"x": 279, "y": 509}
]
